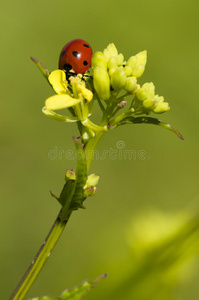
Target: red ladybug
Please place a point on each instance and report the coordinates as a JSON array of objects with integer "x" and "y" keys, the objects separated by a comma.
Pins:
[{"x": 76, "y": 56}]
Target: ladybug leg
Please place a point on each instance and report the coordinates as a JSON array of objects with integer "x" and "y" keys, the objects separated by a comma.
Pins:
[
  {"x": 69, "y": 74},
  {"x": 88, "y": 76},
  {"x": 72, "y": 73}
]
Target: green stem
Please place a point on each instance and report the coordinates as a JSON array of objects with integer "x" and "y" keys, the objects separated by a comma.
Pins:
[
  {"x": 89, "y": 124},
  {"x": 53, "y": 236},
  {"x": 119, "y": 118},
  {"x": 39, "y": 260},
  {"x": 122, "y": 97},
  {"x": 100, "y": 103},
  {"x": 91, "y": 147}
]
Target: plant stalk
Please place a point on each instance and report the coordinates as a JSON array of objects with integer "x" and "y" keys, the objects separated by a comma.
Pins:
[
  {"x": 39, "y": 260},
  {"x": 52, "y": 238},
  {"x": 91, "y": 148}
]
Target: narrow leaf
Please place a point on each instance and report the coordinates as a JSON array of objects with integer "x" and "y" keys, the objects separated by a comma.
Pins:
[
  {"x": 66, "y": 195},
  {"x": 43, "y": 70},
  {"x": 149, "y": 120},
  {"x": 76, "y": 293},
  {"x": 54, "y": 196},
  {"x": 65, "y": 198}
]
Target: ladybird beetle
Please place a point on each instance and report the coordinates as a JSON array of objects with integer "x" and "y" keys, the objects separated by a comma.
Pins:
[{"x": 76, "y": 55}]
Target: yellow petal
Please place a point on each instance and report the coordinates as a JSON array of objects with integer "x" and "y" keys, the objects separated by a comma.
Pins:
[
  {"x": 58, "y": 81},
  {"x": 87, "y": 94},
  {"x": 60, "y": 102}
]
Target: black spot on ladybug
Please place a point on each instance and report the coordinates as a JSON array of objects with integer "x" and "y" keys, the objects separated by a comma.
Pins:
[
  {"x": 85, "y": 63},
  {"x": 76, "y": 54},
  {"x": 62, "y": 54},
  {"x": 85, "y": 45}
]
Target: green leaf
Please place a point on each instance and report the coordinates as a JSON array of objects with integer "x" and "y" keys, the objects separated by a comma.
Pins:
[
  {"x": 149, "y": 120},
  {"x": 43, "y": 70},
  {"x": 76, "y": 293},
  {"x": 54, "y": 196},
  {"x": 65, "y": 199},
  {"x": 66, "y": 196}
]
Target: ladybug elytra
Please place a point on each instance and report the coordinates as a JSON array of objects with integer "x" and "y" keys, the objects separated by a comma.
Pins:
[{"x": 76, "y": 55}]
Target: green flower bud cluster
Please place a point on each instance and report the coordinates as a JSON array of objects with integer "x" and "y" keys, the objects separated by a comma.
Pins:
[
  {"x": 147, "y": 101},
  {"x": 111, "y": 73}
]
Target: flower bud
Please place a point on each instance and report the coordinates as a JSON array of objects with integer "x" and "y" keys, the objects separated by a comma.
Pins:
[
  {"x": 132, "y": 61},
  {"x": 159, "y": 99},
  {"x": 112, "y": 62},
  {"x": 142, "y": 58},
  {"x": 92, "y": 180},
  {"x": 90, "y": 186},
  {"x": 70, "y": 175},
  {"x": 149, "y": 104},
  {"x": 131, "y": 84},
  {"x": 120, "y": 59},
  {"x": 122, "y": 104},
  {"x": 85, "y": 136},
  {"x": 128, "y": 70},
  {"x": 161, "y": 107},
  {"x": 118, "y": 79},
  {"x": 138, "y": 71},
  {"x": 111, "y": 50},
  {"x": 146, "y": 91},
  {"x": 111, "y": 71},
  {"x": 101, "y": 83},
  {"x": 90, "y": 191},
  {"x": 141, "y": 95},
  {"x": 138, "y": 63},
  {"x": 99, "y": 60}
]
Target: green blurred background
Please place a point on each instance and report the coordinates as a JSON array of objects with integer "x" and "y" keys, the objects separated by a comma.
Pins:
[{"x": 166, "y": 181}]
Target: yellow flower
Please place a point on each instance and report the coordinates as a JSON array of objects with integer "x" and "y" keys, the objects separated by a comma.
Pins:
[
  {"x": 74, "y": 96},
  {"x": 64, "y": 98}
]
